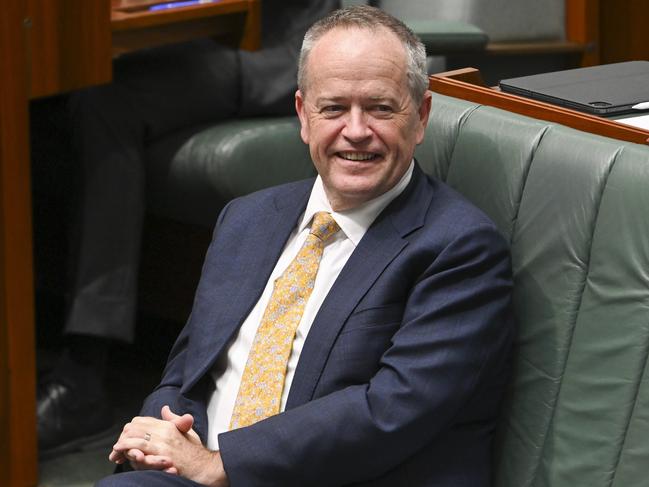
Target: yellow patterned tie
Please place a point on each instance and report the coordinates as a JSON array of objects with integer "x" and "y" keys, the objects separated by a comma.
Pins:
[{"x": 262, "y": 382}]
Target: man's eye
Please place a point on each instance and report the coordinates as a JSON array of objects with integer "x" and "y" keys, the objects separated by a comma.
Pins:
[
  {"x": 382, "y": 109},
  {"x": 332, "y": 109}
]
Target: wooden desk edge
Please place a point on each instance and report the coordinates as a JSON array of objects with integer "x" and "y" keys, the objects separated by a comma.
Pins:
[
  {"x": 125, "y": 20},
  {"x": 460, "y": 84},
  {"x": 134, "y": 29}
]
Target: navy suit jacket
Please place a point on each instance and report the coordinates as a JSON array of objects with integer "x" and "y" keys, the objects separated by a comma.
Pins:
[{"x": 400, "y": 378}]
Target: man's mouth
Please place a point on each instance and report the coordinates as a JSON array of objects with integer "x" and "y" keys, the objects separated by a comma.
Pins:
[{"x": 357, "y": 156}]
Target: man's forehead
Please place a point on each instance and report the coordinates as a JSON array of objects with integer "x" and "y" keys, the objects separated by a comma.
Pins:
[
  {"x": 345, "y": 48},
  {"x": 368, "y": 57},
  {"x": 349, "y": 34}
]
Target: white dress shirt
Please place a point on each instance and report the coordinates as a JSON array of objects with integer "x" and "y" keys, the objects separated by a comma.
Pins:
[{"x": 353, "y": 225}]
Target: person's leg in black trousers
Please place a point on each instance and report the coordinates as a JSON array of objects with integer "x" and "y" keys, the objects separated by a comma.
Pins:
[{"x": 154, "y": 92}]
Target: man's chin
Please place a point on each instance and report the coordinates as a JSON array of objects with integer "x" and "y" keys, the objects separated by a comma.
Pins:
[{"x": 350, "y": 196}]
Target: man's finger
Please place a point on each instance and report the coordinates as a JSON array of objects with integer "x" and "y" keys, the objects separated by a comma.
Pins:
[
  {"x": 126, "y": 445},
  {"x": 184, "y": 423},
  {"x": 116, "y": 457},
  {"x": 135, "y": 455},
  {"x": 156, "y": 462}
]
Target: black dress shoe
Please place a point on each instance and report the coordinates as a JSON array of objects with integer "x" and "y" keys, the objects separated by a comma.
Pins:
[{"x": 70, "y": 417}]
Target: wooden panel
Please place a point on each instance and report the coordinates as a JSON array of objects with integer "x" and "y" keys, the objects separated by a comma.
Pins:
[
  {"x": 449, "y": 84},
  {"x": 68, "y": 44},
  {"x": 46, "y": 46},
  {"x": 17, "y": 385},
  {"x": 624, "y": 33},
  {"x": 582, "y": 27},
  {"x": 549, "y": 47},
  {"x": 616, "y": 29}
]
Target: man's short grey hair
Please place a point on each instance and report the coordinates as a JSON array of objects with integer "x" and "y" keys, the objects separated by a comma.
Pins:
[{"x": 372, "y": 18}]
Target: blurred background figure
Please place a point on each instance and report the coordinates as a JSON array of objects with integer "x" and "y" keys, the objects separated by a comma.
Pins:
[{"x": 154, "y": 92}]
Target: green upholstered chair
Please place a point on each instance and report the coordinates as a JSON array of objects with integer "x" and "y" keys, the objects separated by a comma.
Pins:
[
  {"x": 443, "y": 37},
  {"x": 442, "y": 34},
  {"x": 525, "y": 36},
  {"x": 575, "y": 208},
  {"x": 191, "y": 177},
  {"x": 501, "y": 20}
]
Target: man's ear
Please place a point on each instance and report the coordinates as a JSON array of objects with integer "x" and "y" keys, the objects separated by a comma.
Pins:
[
  {"x": 424, "y": 113},
  {"x": 301, "y": 114}
]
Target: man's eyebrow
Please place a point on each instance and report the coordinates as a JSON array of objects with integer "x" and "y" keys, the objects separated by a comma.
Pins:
[
  {"x": 342, "y": 99},
  {"x": 329, "y": 99}
]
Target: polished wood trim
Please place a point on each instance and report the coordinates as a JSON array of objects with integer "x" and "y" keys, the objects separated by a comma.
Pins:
[
  {"x": 68, "y": 44},
  {"x": 468, "y": 75},
  {"x": 251, "y": 37},
  {"x": 452, "y": 86},
  {"x": 227, "y": 29},
  {"x": 18, "y": 460},
  {"x": 582, "y": 27},
  {"x": 128, "y": 15},
  {"x": 134, "y": 27}
]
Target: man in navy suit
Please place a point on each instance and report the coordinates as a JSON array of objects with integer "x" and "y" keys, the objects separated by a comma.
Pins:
[{"x": 397, "y": 367}]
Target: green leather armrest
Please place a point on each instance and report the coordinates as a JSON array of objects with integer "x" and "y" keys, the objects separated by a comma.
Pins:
[{"x": 448, "y": 36}]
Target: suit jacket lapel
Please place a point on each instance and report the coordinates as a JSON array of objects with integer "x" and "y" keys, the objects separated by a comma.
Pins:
[
  {"x": 380, "y": 245},
  {"x": 220, "y": 318}
]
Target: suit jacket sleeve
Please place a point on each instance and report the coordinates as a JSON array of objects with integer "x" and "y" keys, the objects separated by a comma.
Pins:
[{"x": 455, "y": 331}]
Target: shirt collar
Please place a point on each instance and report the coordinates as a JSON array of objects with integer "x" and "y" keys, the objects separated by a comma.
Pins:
[{"x": 355, "y": 222}]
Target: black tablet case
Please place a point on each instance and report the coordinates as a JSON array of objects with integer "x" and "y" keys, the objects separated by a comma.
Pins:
[{"x": 607, "y": 90}]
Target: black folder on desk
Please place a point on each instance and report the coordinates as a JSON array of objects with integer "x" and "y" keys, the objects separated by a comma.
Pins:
[{"x": 610, "y": 89}]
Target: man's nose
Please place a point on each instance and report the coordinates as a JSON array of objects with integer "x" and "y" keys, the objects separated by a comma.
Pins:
[{"x": 356, "y": 128}]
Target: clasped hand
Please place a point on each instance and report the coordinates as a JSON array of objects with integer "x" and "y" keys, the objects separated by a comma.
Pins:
[{"x": 171, "y": 445}]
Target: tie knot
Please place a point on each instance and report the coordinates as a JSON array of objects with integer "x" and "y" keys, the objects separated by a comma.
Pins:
[{"x": 324, "y": 226}]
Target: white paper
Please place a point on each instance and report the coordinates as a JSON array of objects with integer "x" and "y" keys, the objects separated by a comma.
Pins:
[{"x": 641, "y": 121}]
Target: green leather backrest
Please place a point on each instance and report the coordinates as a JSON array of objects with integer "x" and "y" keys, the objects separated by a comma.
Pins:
[
  {"x": 502, "y": 20},
  {"x": 190, "y": 178},
  {"x": 575, "y": 208}
]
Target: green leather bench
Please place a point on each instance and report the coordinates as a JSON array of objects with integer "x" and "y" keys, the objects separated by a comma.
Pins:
[{"x": 575, "y": 208}]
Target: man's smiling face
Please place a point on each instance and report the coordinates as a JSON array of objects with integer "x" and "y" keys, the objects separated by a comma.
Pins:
[{"x": 358, "y": 115}]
